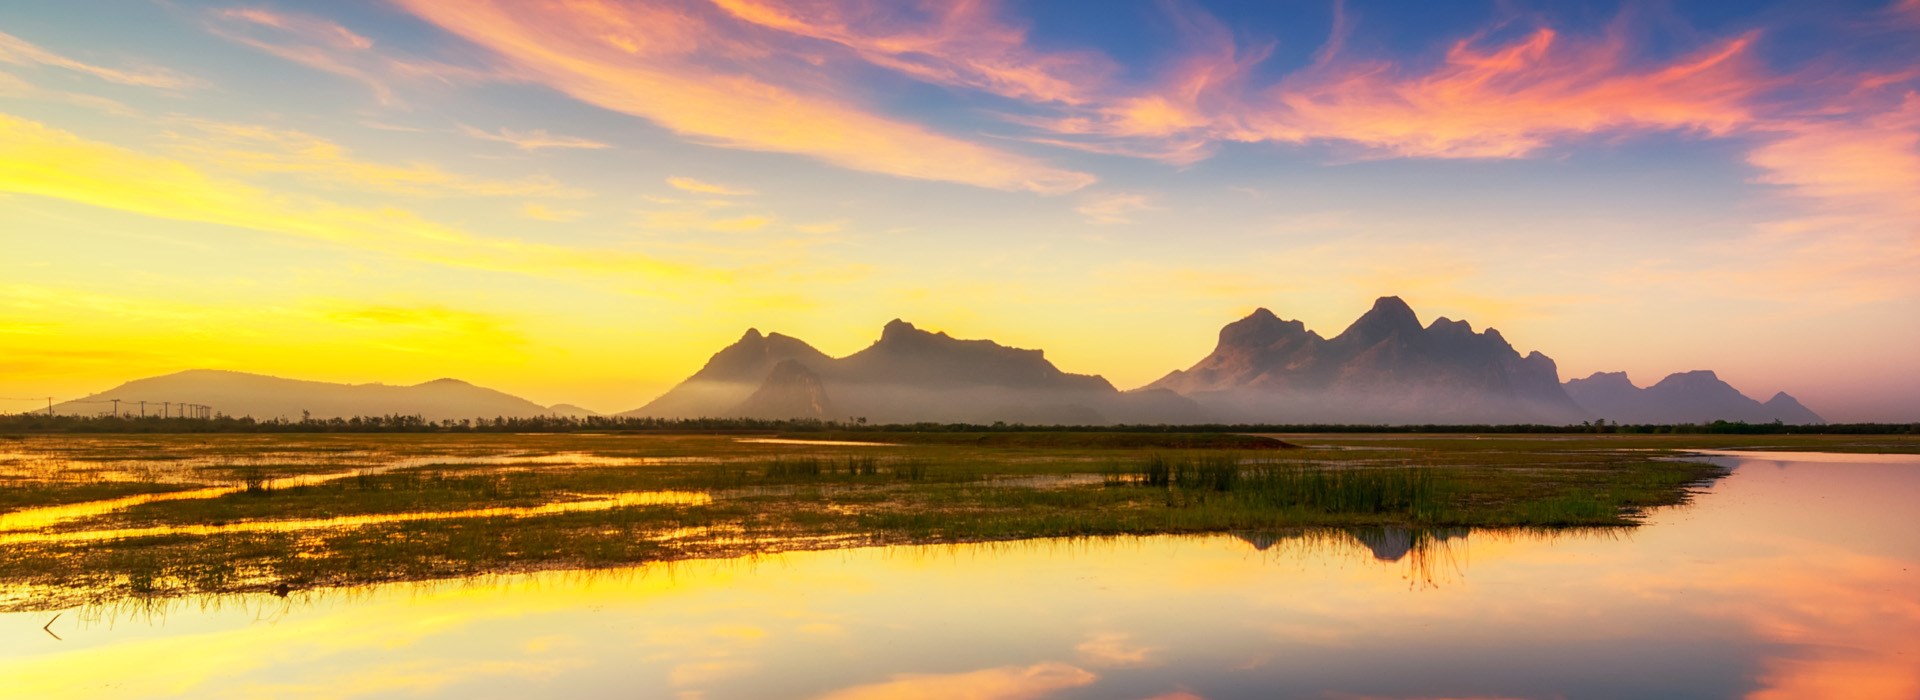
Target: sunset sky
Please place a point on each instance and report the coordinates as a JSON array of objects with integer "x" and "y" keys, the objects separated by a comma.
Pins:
[{"x": 580, "y": 200}]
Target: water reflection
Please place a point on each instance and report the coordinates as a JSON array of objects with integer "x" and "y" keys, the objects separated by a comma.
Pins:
[
  {"x": 600, "y": 502},
  {"x": 1786, "y": 580},
  {"x": 43, "y": 517},
  {"x": 816, "y": 443}
]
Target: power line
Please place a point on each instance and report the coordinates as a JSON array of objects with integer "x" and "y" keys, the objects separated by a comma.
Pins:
[{"x": 171, "y": 409}]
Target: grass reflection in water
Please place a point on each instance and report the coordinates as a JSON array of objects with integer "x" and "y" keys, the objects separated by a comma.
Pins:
[{"x": 251, "y": 515}]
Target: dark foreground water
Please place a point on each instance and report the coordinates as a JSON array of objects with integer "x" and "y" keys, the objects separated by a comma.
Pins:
[{"x": 1789, "y": 579}]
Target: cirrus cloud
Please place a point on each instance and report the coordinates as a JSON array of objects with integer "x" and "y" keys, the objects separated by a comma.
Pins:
[
  {"x": 706, "y": 77},
  {"x": 687, "y": 184},
  {"x": 532, "y": 140},
  {"x": 1003, "y": 683},
  {"x": 20, "y": 52}
]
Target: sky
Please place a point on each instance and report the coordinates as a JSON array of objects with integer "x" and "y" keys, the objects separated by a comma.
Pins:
[{"x": 581, "y": 200}]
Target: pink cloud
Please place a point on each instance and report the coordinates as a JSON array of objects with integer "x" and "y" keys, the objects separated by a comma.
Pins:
[
  {"x": 1482, "y": 100},
  {"x": 712, "y": 78},
  {"x": 327, "y": 46},
  {"x": 1851, "y": 168},
  {"x": 1003, "y": 683},
  {"x": 1510, "y": 100},
  {"x": 961, "y": 43}
]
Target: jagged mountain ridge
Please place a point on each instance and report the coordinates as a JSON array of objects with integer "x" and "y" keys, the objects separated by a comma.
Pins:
[
  {"x": 1699, "y": 396},
  {"x": 266, "y": 397},
  {"x": 907, "y": 375},
  {"x": 1384, "y": 368}
]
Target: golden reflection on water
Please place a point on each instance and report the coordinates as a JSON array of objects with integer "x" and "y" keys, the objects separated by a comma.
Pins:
[
  {"x": 38, "y": 518},
  {"x": 28, "y": 519},
  {"x": 1783, "y": 582},
  {"x": 814, "y": 443},
  {"x": 606, "y": 502}
]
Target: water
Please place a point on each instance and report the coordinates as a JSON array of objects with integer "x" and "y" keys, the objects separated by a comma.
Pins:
[
  {"x": 816, "y": 443},
  {"x": 1789, "y": 579},
  {"x": 19, "y": 525}
]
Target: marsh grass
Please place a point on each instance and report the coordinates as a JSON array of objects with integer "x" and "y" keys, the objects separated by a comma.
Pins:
[
  {"x": 1415, "y": 492},
  {"x": 843, "y": 468},
  {"x": 1058, "y": 440},
  {"x": 773, "y": 497},
  {"x": 254, "y": 482}
]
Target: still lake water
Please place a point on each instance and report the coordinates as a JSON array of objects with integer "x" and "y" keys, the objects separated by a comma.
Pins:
[{"x": 1789, "y": 579}]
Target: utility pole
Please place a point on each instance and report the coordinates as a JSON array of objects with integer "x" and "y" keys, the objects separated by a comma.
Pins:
[
  {"x": 49, "y": 406},
  {"x": 166, "y": 409},
  {"x": 116, "y": 408},
  {"x": 143, "y": 409}
]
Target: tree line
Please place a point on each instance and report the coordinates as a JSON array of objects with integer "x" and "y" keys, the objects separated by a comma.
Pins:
[{"x": 25, "y": 423}]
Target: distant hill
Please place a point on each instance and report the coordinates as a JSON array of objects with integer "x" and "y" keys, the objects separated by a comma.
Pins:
[
  {"x": 908, "y": 375},
  {"x": 790, "y": 390},
  {"x": 264, "y": 397},
  {"x": 1685, "y": 397},
  {"x": 730, "y": 376},
  {"x": 1385, "y": 369}
]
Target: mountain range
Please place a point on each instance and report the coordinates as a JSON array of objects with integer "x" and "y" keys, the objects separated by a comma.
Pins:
[
  {"x": 1385, "y": 368},
  {"x": 908, "y": 375},
  {"x": 266, "y": 398},
  {"x": 1684, "y": 397}
]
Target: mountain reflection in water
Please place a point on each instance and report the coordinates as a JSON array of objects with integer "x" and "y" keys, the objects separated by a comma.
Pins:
[{"x": 1785, "y": 580}]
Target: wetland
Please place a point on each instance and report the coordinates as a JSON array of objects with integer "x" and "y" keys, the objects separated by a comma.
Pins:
[
  {"x": 93, "y": 519},
  {"x": 500, "y": 566}
]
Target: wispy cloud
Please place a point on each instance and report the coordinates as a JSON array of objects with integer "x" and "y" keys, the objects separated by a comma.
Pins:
[
  {"x": 961, "y": 44},
  {"x": 1004, "y": 683},
  {"x": 42, "y": 161},
  {"x": 1113, "y": 207},
  {"x": 712, "y": 79},
  {"x": 19, "y": 52},
  {"x": 1115, "y": 650},
  {"x": 1484, "y": 99},
  {"x": 253, "y": 148},
  {"x": 1867, "y": 161},
  {"x": 1519, "y": 88},
  {"x": 15, "y": 87},
  {"x": 542, "y": 212},
  {"x": 328, "y": 46},
  {"x": 688, "y": 184},
  {"x": 1510, "y": 100},
  {"x": 701, "y": 219},
  {"x": 532, "y": 140},
  {"x": 1488, "y": 96}
]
